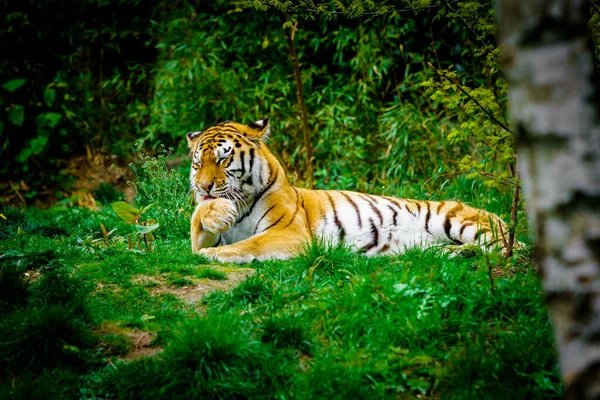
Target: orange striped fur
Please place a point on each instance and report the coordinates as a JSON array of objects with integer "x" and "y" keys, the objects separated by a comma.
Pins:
[{"x": 248, "y": 210}]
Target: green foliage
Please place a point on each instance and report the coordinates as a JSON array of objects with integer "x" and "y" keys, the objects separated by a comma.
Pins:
[
  {"x": 482, "y": 100},
  {"x": 286, "y": 331},
  {"x": 48, "y": 323},
  {"x": 13, "y": 287},
  {"x": 82, "y": 87},
  {"x": 166, "y": 189},
  {"x": 253, "y": 290},
  {"x": 132, "y": 215},
  {"x": 208, "y": 358},
  {"x": 381, "y": 117},
  {"x": 210, "y": 273}
]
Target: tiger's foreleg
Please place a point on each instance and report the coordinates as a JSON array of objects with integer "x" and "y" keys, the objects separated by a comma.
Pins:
[
  {"x": 209, "y": 220},
  {"x": 269, "y": 245}
]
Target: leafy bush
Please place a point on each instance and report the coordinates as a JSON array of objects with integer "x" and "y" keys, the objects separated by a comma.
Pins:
[
  {"x": 166, "y": 189},
  {"x": 82, "y": 90}
]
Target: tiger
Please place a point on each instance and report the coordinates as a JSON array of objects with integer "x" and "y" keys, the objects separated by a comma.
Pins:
[{"x": 248, "y": 210}]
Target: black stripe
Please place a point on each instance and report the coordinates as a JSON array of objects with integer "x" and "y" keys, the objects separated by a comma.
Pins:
[
  {"x": 427, "y": 218},
  {"x": 295, "y": 211},
  {"x": 394, "y": 215},
  {"x": 394, "y": 201},
  {"x": 353, "y": 204},
  {"x": 447, "y": 227},
  {"x": 249, "y": 180},
  {"x": 222, "y": 130},
  {"x": 373, "y": 204},
  {"x": 274, "y": 223},
  {"x": 366, "y": 198},
  {"x": 260, "y": 174},
  {"x": 418, "y": 206},
  {"x": 397, "y": 202},
  {"x": 231, "y": 158},
  {"x": 339, "y": 225},
  {"x": 375, "y": 242},
  {"x": 219, "y": 241},
  {"x": 463, "y": 227},
  {"x": 448, "y": 224},
  {"x": 440, "y": 206},
  {"x": 243, "y": 162},
  {"x": 264, "y": 215},
  {"x": 306, "y": 215},
  {"x": 262, "y": 192}
]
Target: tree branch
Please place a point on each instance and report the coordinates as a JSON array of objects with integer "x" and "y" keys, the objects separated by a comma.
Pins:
[
  {"x": 465, "y": 23},
  {"x": 310, "y": 176},
  {"x": 459, "y": 86}
]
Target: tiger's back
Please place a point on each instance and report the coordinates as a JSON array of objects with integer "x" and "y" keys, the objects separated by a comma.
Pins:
[{"x": 248, "y": 210}]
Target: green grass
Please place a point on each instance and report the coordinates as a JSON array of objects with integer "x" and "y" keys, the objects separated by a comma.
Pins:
[
  {"x": 328, "y": 324},
  {"x": 213, "y": 274}
]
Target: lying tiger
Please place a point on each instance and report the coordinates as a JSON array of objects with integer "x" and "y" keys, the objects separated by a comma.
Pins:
[{"x": 248, "y": 210}]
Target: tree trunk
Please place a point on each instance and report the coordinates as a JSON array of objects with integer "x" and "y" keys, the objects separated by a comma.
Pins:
[
  {"x": 548, "y": 62},
  {"x": 309, "y": 174}
]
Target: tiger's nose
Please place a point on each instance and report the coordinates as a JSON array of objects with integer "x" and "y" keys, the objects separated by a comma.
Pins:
[{"x": 207, "y": 186}]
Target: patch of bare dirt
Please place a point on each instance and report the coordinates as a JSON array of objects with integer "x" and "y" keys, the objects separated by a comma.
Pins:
[
  {"x": 143, "y": 346},
  {"x": 139, "y": 343},
  {"x": 194, "y": 293},
  {"x": 92, "y": 170}
]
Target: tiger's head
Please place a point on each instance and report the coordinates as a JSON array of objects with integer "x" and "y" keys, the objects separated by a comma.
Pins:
[{"x": 229, "y": 160}]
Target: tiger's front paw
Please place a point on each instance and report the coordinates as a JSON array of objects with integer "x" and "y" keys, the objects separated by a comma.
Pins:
[
  {"x": 218, "y": 215},
  {"x": 225, "y": 255}
]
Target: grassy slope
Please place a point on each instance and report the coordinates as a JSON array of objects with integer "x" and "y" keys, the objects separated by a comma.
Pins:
[{"x": 328, "y": 324}]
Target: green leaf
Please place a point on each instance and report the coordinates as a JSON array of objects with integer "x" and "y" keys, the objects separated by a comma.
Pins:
[
  {"x": 399, "y": 287},
  {"x": 49, "y": 119},
  {"x": 49, "y": 96},
  {"x": 16, "y": 114},
  {"x": 146, "y": 229},
  {"x": 14, "y": 84},
  {"x": 146, "y": 208},
  {"x": 39, "y": 143},
  {"x": 126, "y": 212},
  {"x": 24, "y": 155}
]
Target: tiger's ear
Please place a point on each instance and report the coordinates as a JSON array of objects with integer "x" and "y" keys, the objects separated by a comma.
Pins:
[
  {"x": 192, "y": 137},
  {"x": 259, "y": 130}
]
